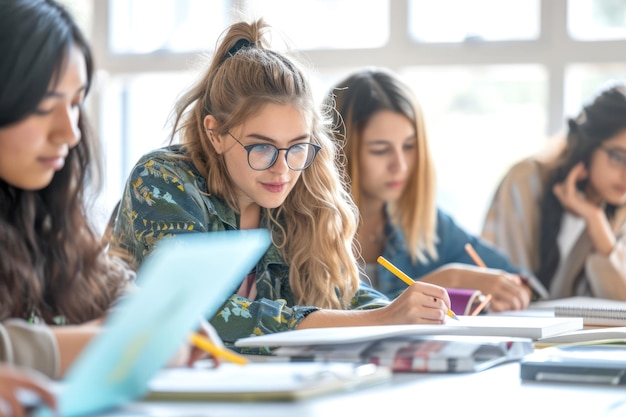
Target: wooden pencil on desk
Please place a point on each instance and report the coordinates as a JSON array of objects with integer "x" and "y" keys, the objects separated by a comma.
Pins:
[{"x": 478, "y": 261}]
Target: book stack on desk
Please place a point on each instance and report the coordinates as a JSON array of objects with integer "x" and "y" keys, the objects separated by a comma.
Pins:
[
  {"x": 473, "y": 343},
  {"x": 418, "y": 353}
]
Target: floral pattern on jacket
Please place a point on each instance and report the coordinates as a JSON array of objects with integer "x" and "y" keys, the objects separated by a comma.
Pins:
[{"x": 166, "y": 196}]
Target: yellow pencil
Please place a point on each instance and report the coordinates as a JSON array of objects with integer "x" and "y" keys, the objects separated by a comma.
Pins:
[
  {"x": 404, "y": 277},
  {"x": 205, "y": 344}
]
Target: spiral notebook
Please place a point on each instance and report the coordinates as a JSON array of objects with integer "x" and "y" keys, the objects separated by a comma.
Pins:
[{"x": 594, "y": 315}]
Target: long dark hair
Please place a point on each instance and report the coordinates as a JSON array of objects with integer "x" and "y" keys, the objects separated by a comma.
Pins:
[
  {"x": 52, "y": 262},
  {"x": 601, "y": 119}
]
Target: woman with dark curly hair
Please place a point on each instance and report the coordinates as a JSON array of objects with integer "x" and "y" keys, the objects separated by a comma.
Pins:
[{"x": 564, "y": 216}]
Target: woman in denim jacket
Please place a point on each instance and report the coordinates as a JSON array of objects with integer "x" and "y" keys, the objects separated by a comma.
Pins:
[{"x": 393, "y": 184}]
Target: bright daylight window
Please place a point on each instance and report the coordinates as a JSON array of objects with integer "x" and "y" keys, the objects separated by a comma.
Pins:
[
  {"x": 193, "y": 25},
  {"x": 497, "y": 96},
  {"x": 473, "y": 21},
  {"x": 140, "y": 27},
  {"x": 326, "y": 24},
  {"x": 591, "y": 20},
  {"x": 473, "y": 114},
  {"x": 582, "y": 81}
]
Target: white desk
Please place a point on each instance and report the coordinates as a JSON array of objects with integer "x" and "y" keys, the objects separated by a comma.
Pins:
[{"x": 495, "y": 392}]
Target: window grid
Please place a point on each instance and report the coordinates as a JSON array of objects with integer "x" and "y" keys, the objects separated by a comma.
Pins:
[{"x": 555, "y": 51}]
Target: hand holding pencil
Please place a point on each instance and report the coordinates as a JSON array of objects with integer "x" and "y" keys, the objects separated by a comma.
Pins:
[
  {"x": 432, "y": 296},
  {"x": 207, "y": 341}
]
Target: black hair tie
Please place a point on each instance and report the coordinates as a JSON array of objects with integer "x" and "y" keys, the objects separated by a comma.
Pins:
[{"x": 240, "y": 44}]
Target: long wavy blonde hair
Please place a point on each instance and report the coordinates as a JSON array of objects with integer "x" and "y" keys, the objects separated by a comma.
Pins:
[
  {"x": 356, "y": 99},
  {"x": 314, "y": 228}
]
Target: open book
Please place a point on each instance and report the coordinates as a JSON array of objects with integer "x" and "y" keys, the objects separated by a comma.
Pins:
[{"x": 418, "y": 353}]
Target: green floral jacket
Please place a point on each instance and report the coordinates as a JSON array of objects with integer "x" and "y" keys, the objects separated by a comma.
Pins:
[{"x": 166, "y": 196}]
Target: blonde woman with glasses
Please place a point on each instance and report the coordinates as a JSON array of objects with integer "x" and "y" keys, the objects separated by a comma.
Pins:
[{"x": 255, "y": 152}]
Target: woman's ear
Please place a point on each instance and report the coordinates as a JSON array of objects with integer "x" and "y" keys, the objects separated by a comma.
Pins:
[{"x": 210, "y": 127}]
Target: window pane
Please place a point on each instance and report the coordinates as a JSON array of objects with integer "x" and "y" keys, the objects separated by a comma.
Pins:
[
  {"x": 597, "y": 19},
  {"x": 468, "y": 21},
  {"x": 326, "y": 24},
  {"x": 146, "y": 26},
  {"x": 480, "y": 120},
  {"x": 82, "y": 12},
  {"x": 583, "y": 81},
  {"x": 134, "y": 120}
]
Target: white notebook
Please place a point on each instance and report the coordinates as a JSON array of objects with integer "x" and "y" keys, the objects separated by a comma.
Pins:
[
  {"x": 530, "y": 327},
  {"x": 598, "y": 335},
  {"x": 265, "y": 381}
]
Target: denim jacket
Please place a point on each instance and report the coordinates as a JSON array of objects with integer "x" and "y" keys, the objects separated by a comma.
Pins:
[
  {"x": 166, "y": 196},
  {"x": 451, "y": 240}
]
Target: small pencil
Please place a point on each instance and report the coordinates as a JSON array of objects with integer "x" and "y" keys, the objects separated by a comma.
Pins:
[
  {"x": 404, "y": 277},
  {"x": 474, "y": 255},
  {"x": 478, "y": 261},
  {"x": 205, "y": 344},
  {"x": 481, "y": 306}
]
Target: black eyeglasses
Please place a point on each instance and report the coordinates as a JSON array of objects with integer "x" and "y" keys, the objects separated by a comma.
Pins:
[
  {"x": 262, "y": 156},
  {"x": 617, "y": 157}
]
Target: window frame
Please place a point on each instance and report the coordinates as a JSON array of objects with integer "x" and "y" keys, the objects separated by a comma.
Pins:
[{"x": 554, "y": 49}]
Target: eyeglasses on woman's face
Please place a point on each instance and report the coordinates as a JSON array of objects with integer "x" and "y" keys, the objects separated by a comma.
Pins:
[
  {"x": 262, "y": 156},
  {"x": 617, "y": 156}
]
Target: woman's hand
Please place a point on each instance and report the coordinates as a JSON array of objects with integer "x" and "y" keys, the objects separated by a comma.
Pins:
[
  {"x": 12, "y": 379},
  {"x": 576, "y": 202},
  {"x": 420, "y": 303},
  {"x": 572, "y": 199},
  {"x": 507, "y": 290},
  {"x": 207, "y": 330}
]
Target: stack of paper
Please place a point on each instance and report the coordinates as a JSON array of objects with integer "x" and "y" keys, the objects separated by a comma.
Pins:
[
  {"x": 529, "y": 327},
  {"x": 418, "y": 353},
  {"x": 471, "y": 344}
]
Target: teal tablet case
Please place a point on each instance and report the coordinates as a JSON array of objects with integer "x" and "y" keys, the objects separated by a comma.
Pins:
[{"x": 185, "y": 278}]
